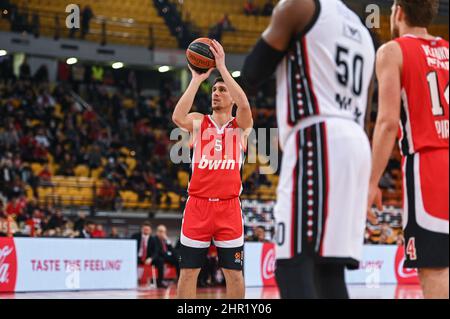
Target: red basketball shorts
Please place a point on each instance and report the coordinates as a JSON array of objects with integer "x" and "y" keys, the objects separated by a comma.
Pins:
[
  {"x": 426, "y": 209},
  {"x": 212, "y": 220}
]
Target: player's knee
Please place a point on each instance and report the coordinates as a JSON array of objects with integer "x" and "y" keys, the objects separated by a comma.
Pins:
[
  {"x": 233, "y": 276},
  {"x": 433, "y": 273},
  {"x": 188, "y": 273}
]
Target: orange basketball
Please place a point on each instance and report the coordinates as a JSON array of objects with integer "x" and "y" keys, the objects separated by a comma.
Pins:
[{"x": 199, "y": 56}]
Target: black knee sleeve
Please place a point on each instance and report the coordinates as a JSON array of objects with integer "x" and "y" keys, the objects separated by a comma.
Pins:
[
  {"x": 330, "y": 281},
  {"x": 295, "y": 278}
]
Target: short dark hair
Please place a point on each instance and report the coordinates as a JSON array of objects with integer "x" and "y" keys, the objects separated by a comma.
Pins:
[
  {"x": 218, "y": 79},
  {"x": 146, "y": 223},
  {"x": 419, "y": 13}
]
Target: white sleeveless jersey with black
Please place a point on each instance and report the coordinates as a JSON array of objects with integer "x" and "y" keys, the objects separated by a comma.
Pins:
[{"x": 322, "y": 94}]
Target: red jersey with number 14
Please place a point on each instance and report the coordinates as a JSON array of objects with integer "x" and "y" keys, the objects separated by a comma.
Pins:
[
  {"x": 424, "y": 113},
  {"x": 216, "y": 161}
]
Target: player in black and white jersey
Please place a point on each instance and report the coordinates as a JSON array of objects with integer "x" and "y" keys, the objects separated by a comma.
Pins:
[{"x": 324, "y": 58}]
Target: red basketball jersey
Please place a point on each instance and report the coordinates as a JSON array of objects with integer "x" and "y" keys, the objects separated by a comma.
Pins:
[
  {"x": 216, "y": 161},
  {"x": 424, "y": 123}
]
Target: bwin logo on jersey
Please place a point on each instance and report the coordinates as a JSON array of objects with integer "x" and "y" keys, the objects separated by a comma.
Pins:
[{"x": 216, "y": 164}]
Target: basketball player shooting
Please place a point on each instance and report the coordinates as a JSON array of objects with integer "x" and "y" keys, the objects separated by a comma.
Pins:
[
  {"x": 324, "y": 60},
  {"x": 413, "y": 77},
  {"x": 213, "y": 210}
]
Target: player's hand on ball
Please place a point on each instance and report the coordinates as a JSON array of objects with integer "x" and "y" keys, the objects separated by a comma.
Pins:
[
  {"x": 219, "y": 54},
  {"x": 200, "y": 76}
]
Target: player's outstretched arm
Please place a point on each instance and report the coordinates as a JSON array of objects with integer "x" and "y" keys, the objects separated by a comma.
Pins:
[
  {"x": 244, "y": 113},
  {"x": 388, "y": 69},
  {"x": 289, "y": 18},
  {"x": 181, "y": 116}
]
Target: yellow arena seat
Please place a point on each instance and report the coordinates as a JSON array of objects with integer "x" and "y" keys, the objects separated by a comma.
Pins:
[
  {"x": 81, "y": 170},
  {"x": 36, "y": 168}
]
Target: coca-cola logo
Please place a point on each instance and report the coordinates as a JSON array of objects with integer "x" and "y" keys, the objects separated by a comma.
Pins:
[
  {"x": 268, "y": 264},
  {"x": 8, "y": 264},
  {"x": 404, "y": 275},
  {"x": 4, "y": 267}
]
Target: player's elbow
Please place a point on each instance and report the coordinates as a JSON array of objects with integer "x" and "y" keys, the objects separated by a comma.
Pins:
[
  {"x": 244, "y": 104},
  {"x": 177, "y": 120},
  {"x": 388, "y": 124}
]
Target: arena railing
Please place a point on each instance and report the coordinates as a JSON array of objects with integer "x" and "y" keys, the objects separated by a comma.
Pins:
[
  {"x": 98, "y": 27},
  {"x": 71, "y": 193}
]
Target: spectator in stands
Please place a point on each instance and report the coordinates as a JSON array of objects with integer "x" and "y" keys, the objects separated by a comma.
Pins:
[
  {"x": 114, "y": 234},
  {"x": 2, "y": 209},
  {"x": 86, "y": 17},
  {"x": 80, "y": 222},
  {"x": 18, "y": 20},
  {"x": 259, "y": 235},
  {"x": 3, "y": 226},
  {"x": 44, "y": 220},
  {"x": 7, "y": 174},
  {"x": 56, "y": 220},
  {"x": 45, "y": 100},
  {"x": 24, "y": 70},
  {"x": 63, "y": 71},
  {"x": 17, "y": 187},
  {"x": 68, "y": 230},
  {"x": 14, "y": 207},
  {"x": 87, "y": 231},
  {"x": 9, "y": 137},
  {"x": 11, "y": 226},
  {"x": 115, "y": 171},
  {"x": 41, "y": 74},
  {"x": 6, "y": 69},
  {"x": 67, "y": 166},
  {"x": 94, "y": 157},
  {"x": 41, "y": 138},
  {"x": 34, "y": 223},
  {"x": 35, "y": 24},
  {"x": 107, "y": 195},
  {"x": 387, "y": 235},
  {"x": 45, "y": 175},
  {"x": 225, "y": 23},
  {"x": 216, "y": 31},
  {"x": 136, "y": 182},
  {"x": 50, "y": 233},
  {"x": 146, "y": 244},
  {"x": 31, "y": 206},
  {"x": 165, "y": 254},
  {"x": 22, "y": 216},
  {"x": 267, "y": 8},
  {"x": 99, "y": 232},
  {"x": 250, "y": 8}
]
